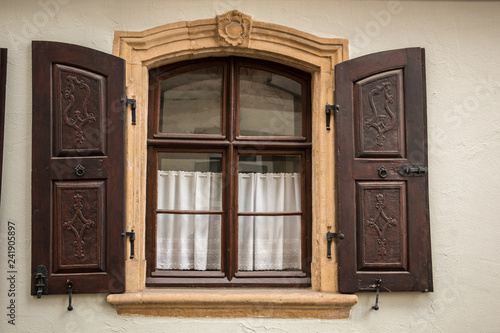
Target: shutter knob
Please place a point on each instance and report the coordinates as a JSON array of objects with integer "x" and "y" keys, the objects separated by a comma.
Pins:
[
  {"x": 382, "y": 172},
  {"x": 79, "y": 170}
]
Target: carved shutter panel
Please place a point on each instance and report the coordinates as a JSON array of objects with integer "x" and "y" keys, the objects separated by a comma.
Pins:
[
  {"x": 3, "y": 81},
  {"x": 381, "y": 142},
  {"x": 78, "y": 168}
]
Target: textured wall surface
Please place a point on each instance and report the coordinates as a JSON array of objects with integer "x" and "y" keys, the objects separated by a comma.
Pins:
[{"x": 463, "y": 94}]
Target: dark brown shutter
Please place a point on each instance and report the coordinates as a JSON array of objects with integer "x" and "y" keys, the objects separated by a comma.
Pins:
[
  {"x": 78, "y": 168},
  {"x": 3, "y": 81},
  {"x": 381, "y": 141}
]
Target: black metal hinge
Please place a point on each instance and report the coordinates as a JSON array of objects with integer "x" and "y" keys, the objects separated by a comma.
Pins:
[
  {"x": 132, "y": 102},
  {"x": 329, "y": 237},
  {"x": 328, "y": 110},
  {"x": 132, "y": 240}
]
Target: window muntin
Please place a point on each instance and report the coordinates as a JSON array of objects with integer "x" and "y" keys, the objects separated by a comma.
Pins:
[{"x": 269, "y": 155}]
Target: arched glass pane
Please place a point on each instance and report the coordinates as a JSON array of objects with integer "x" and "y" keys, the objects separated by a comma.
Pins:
[
  {"x": 191, "y": 102},
  {"x": 270, "y": 104}
]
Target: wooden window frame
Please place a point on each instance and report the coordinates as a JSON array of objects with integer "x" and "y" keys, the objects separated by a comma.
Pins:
[{"x": 230, "y": 145}]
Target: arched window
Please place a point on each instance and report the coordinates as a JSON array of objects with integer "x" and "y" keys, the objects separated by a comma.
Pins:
[{"x": 229, "y": 174}]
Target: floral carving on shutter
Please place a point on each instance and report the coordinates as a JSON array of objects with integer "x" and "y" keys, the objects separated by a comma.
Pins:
[
  {"x": 78, "y": 230},
  {"x": 80, "y": 116},
  {"x": 80, "y": 110},
  {"x": 381, "y": 222},
  {"x": 379, "y": 121},
  {"x": 379, "y": 99}
]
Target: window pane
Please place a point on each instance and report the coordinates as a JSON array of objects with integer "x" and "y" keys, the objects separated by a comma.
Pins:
[
  {"x": 191, "y": 102},
  {"x": 269, "y": 183},
  {"x": 269, "y": 243},
  {"x": 188, "y": 242},
  {"x": 189, "y": 181},
  {"x": 270, "y": 104}
]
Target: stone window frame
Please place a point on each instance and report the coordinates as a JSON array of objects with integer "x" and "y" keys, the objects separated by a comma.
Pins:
[{"x": 233, "y": 34}]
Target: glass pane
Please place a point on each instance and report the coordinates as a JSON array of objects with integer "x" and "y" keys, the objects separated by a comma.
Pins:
[
  {"x": 189, "y": 181},
  {"x": 269, "y": 183},
  {"x": 191, "y": 103},
  {"x": 269, "y": 243},
  {"x": 188, "y": 242},
  {"x": 270, "y": 104}
]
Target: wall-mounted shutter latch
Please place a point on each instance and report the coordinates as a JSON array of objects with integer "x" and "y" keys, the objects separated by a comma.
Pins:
[
  {"x": 377, "y": 285},
  {"x": 69, "y": 285}
]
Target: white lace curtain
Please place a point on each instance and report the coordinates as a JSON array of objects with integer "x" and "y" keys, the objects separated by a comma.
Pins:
[{"x": 192, "y": 242}]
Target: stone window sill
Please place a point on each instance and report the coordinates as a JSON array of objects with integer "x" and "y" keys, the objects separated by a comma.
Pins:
[{"x": 234, "y": 303}]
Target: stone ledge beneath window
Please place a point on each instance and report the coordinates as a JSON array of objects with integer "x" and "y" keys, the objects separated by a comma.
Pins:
[{"x": 234, "y": 303}]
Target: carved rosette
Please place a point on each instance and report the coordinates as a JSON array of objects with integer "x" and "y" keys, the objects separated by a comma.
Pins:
[{"x": 234, "y": 27}]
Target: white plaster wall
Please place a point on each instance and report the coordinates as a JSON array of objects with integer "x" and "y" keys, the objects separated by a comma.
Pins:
[{"x": 463, "y": 91}]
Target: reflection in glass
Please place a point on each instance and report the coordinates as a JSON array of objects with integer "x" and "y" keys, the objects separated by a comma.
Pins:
[
  {"x": 191, "y": 102},
  {"x": 269, "y": 183},
  {"x": 270, "y": 104},
  {"x": 189, "y": 181}
]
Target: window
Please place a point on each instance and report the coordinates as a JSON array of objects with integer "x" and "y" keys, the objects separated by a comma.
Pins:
[
  {"x": 229, "y": 175},
  {"x": 378, "y": 200}
]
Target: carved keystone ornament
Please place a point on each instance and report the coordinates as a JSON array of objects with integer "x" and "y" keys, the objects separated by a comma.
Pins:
[{"x": 234, "y": 27}]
